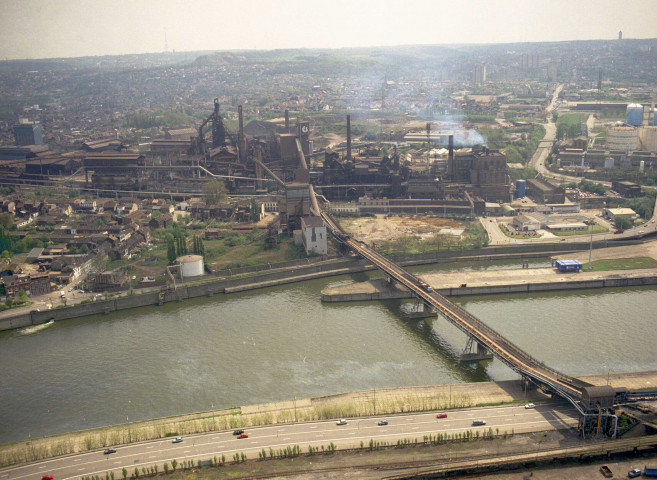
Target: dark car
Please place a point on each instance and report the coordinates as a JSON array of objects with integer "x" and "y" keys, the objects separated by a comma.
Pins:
[
  {"x": 383, "y": 422},
  {"x": 478, "y": 422},
  {"x": 109, "y": 450},
  {"x": 238, "y": 432}
]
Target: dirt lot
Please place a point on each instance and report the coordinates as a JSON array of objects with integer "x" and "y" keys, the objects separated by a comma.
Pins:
[{"x": 376, "y": 229}]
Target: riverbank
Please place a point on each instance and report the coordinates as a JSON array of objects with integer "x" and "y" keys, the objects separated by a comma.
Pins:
[
  {"x": 529, "y": 280},
  {"x": 274, "y": 275},
  {"x": 347, "y": 405}
]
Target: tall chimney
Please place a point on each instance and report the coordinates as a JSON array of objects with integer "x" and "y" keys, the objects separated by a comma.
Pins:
[
  {"x": 428, "y": 142},
  {"x": 240, "y": 134},
  {"x": 287, "y": 121},
  {"x": 450, "y": 158},
  {"x": 348, "y": 137}
]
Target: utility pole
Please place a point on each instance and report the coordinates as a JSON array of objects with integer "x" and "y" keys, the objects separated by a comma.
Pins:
[{"x": 590, "y": 250}]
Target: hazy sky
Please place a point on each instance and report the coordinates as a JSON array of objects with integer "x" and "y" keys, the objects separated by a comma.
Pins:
[{"x": 72, "y": 28}]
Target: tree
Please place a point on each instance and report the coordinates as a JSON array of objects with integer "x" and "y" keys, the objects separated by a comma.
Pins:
[
  {"x": 255, "y": 210},
  {"x": 171, "y": 251},
  {"x": 22, "y": 297},
  {"x": 6, "y": 220},
  {"x": 215, "y": 192},
  {"x": 174, "y": 464},
  {"x": 124, "y": 472},
  {"x": 622, "y": 223}
]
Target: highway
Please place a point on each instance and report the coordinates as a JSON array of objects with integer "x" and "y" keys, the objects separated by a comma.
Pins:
[{"x": 207, "y": 446}]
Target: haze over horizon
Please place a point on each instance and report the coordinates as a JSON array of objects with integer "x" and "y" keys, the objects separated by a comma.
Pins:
[{"x": 32, "y": 29}]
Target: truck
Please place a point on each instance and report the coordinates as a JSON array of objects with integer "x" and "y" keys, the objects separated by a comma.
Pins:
[
  {"x": 606, "y": 471},
  {"x": 650, "y": 471}
]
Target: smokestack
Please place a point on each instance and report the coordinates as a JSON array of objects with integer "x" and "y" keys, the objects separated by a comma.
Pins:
[
  {"x": 451, "y": 147},
  {"x": 240, "y": 134},
  {"x": 428, "y": 142},
  {"x": 450, "y": 158},
  {"x": 348, "y": 137},
  {"x": 287, "y": 121}
]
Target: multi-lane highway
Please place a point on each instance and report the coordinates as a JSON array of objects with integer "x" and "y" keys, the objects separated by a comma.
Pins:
[{"x": 205, "y": 447}]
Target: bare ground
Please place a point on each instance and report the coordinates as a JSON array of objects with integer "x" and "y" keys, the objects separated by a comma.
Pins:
[{"x": 375, "y": 229}]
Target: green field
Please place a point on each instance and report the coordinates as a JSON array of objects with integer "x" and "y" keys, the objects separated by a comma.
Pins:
[
  {"x": 623, "y": 264},
  {"x": 592, "y": 229}
]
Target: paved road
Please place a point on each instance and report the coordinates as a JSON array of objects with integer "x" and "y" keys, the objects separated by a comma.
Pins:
[{"x": 205, "y": 447}]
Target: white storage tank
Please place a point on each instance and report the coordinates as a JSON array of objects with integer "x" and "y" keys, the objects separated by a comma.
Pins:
[
  {"x": 191, "y": 265},
  {"x": 622, "y": 138},
  {"x": 634, "y": 114}
]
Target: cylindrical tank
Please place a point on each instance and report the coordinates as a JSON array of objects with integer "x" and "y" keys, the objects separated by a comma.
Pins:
[
  {"x": 642, "y": 165},
  {"x": 622, "y": 138},
  {"x": 634, "y": 114},
  {"x": 520, "y": 189},
  {"x": 191, "y": 265}
]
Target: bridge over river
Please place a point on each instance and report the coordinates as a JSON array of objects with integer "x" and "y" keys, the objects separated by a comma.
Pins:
[{"x": 592, "y": 402}]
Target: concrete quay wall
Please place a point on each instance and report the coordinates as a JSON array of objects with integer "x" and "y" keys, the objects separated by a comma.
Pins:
[
  {"x": 389, "y": 293},
  {"x": 21, "y": 318}
]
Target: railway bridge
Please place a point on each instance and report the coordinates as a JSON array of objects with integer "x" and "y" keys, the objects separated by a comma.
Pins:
[{"x": 593, "y": 403}]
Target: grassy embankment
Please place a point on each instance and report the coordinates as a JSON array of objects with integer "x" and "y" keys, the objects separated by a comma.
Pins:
[{"x": 622, "y": 264}]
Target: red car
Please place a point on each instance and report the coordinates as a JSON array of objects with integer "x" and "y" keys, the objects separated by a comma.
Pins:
[
  {"x": 243, "y": 435},
  {"x": 47, "y": 477},
  {"x": 441, "y": 415}
]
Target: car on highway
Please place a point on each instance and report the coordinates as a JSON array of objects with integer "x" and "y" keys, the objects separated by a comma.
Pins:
[
  {"x": 109, "y": 450},
  {"x": 441, "y": 415},
  {"x": 243, "y": 435},
  {"x": 635, "y": 472},
  {"x": 382, "y": 422},
  {"x": 342, "y": 421},
  {"x": 478, "y": 422},
  {"x": 530, "y": 405},
  {"x": 238, "y": 432},
  {"x": 176, "y": 440},
  {"x": 47, "y": 477}
]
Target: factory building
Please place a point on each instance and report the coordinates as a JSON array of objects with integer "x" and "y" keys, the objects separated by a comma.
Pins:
[
  {"x": 544, "y": 192},
  {"x": 314, "y": 235},
  {"x": 626, "y": 189},
  {"x": 28, "y": 133}
]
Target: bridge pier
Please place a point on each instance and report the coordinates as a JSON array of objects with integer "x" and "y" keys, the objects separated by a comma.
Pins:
[
  {"x": 421, "y": 310},
  {"x": 468, "y": 355}
]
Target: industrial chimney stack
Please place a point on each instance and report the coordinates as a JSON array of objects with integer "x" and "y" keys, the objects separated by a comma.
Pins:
[
  {"x": 287, "y": 121},
  {"x": 241, "y": 141},
  {"x": 348, "y": 137}
]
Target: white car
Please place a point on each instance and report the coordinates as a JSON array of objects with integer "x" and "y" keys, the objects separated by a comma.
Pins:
[
  {"x": 342, "y": 421},
  {"x": 530, "y": 405}
]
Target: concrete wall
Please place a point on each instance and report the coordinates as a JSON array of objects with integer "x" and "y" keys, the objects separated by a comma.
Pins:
[
  {"x": 306, "y": 272},
  {"x": 495, "y": 289}
]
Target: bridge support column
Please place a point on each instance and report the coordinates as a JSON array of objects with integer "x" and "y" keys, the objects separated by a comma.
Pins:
[
  {"x": 469, "y": 355},
  {"x": 421, "y": 310}
]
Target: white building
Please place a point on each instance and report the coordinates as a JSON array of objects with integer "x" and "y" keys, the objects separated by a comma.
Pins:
[
  {"x": 614, "y": 213},
  {"x": 313, "y": 233}
]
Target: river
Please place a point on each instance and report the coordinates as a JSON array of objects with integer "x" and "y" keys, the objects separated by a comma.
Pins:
[{"x": 280, "y": 343}]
